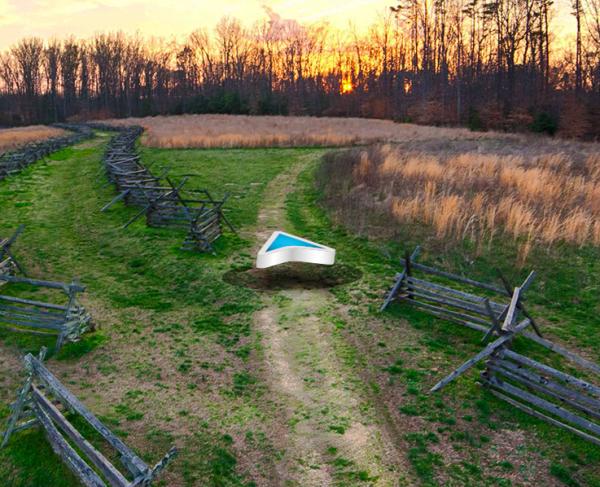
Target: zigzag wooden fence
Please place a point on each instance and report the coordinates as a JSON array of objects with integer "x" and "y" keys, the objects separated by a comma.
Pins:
[
  {"x": 559, "y": 398},
  {"x": 39, "y": 403},
  {"x": 547, "y": 393},
  {"x": 475, "y": 311},
  {"x": 171, "y": 205},
  {"x": 8, "y": 262},
  {"x": 68, "y": 319},
  {"x": 15, "y": 161}
]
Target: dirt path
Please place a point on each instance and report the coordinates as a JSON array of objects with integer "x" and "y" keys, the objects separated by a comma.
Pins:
[{"x": 326, "y": 428}]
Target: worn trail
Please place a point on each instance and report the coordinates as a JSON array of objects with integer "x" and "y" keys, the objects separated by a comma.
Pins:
[{"x": 326, "y": 426}]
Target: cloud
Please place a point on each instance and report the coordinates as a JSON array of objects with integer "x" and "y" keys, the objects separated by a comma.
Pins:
[{"x": 280, "y": 27}]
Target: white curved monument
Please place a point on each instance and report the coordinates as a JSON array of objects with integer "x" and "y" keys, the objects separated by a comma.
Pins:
[{"x": 283, "y": 247}]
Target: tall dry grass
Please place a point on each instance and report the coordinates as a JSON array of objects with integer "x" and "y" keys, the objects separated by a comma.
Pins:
[
  {"x": 542, "y": 194},
  {"x": 211, "y": 131},
  {"x": 16, "y": 137}
]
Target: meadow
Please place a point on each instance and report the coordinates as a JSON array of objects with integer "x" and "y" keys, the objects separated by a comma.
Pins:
[
  {"x": 294, "y": 384},
  {"x": 533, "y": 191},
  {"x": 236, "y": 131},
  {"x": 16, "y": 137}
]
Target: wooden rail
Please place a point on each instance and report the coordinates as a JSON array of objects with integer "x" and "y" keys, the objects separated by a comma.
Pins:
[
  {"x": 38, "y": 404},
  {"x": 171, "y": 205},
  {"x": 18, "y": 159},
  {"x": 9, "y": 265},
  {"x": 478, "y": 312},
  {"x": 67, "y": 321}
]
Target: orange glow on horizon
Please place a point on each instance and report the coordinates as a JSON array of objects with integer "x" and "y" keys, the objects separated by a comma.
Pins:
[
  {"x": 163, "y": 18},
  {"x": 61, "y": 19}
]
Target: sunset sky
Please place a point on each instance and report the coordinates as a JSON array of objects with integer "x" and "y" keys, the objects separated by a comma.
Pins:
[{"x": 167, "y": 18}]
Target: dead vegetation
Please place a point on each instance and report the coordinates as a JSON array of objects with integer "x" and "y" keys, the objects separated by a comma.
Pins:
[
  {"x": 210, "y": 131},
  {"x": 532, "y": 190},
  {"x": 16, "y": 137}
]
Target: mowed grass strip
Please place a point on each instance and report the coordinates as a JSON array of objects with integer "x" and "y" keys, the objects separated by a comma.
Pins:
[{"x": 166, "y": 362}]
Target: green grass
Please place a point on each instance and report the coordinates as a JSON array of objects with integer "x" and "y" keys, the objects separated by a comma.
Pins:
[
  {"x": 147, "y": 295},
  {"x": 141, "y": 276},
  {"x": 565, "y": 298}
]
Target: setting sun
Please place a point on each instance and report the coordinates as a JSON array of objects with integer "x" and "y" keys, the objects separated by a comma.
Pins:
[{"x": 347, "y": 87}]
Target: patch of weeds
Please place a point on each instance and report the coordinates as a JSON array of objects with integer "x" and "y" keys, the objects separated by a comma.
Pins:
[
  {"x": 396, "y": 368},
  {"x": 484, "y": 412},
  {"x": 76, "y": 350},
  {"x": 344, "y": 472},
  {"x": 466, "y": 473},
  {"x": 341, "y": 462},
  {"x": 243, "y": 352},
  {"x": 216, "y": 467},
  {"x": 147, "y": 372},
  {"x": 208, "y": 324},
  {"x": 129, "y": 413},
  {"x": 242, "y": 382},
  {"x": 134, "y": 394},
  {"x": 230, "y": 309},
  {"x": 185, "y": 366},
  {"x": 506, "y": 466},
  {"x": 337, "y": 428},
  {"x": 423, "y": 460},
  {"x": 563, "y": 474},
  {"x": 410, "y": 410},
  {"x": 173, "y": 327},
  {"x": 151, "y": 299}
]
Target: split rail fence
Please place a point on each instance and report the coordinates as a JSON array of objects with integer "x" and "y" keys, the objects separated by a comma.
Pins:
[
  {"x": 547, "y": 393},
  {"x": 44, "y": 401},
  {"x": 562, "y": 399},
  {"x": 170, "y": 205},
  {"x": 8, "y": 262},
  {"x": 63, "y": 316},
  {"x": 14, "y": 161},
  {"x": 66, "y": 318}
]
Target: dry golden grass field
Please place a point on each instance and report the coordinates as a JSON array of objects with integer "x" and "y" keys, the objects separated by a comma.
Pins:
[
  {"x": 210, "y": 131},
  {"x": 531, "y": 189},
  {"x": 15, "y": 137}
]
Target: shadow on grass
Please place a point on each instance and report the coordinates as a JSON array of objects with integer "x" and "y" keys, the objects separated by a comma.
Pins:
[{"x": 293, "y": 276}]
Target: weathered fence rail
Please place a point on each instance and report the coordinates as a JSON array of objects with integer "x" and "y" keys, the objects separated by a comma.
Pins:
[
  {"x": 67, "y": 320},
  {"x": 8, "y": 262},
  {"x": 44, "y": 401},
  {"x": 474, "y": 311},
  {"x": 547, "y": 393},
  {"x": 491, "y": 317},
  {"x": 170, "y": 205},
  {"x": 559, "y": 398},
  {"x": 14, "y": 161}
]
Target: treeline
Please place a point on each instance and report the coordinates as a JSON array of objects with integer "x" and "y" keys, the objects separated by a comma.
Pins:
[{"x": 488, "y": 65}]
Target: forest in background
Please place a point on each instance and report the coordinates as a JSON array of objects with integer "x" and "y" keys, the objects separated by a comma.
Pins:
[{"x": 483, "y": 64}]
